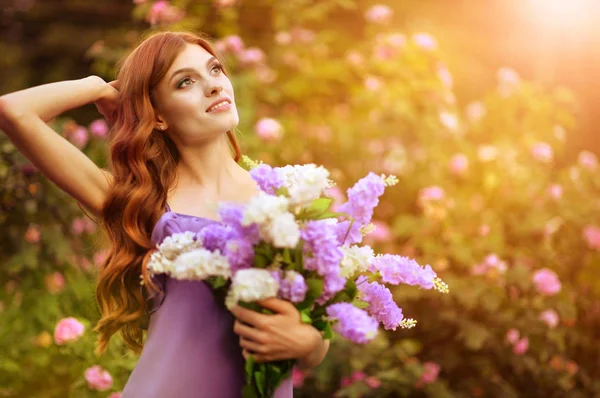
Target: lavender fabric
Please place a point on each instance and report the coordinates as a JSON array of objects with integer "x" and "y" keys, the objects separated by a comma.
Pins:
[{"x": 191, "y": 350}]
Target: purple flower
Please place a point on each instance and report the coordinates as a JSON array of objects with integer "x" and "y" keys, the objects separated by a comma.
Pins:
[
  {"x": 363, "y": 197},
  {"x": 333, "y": 283},
  {"x": 395, "y": 269},
  {"x": 353, "y": 323},
  {"x": 267, "y": 178},
  {"x": 321, "y": 251},
  {"x": 293, "y": 287},
  {"x": 214, "y": 236},
  {"x": 232, "y": 214},
  {"x": 351, "y": 237},
  {"x": 239, "y": 253},
  {"x": 381, "y": 303}
]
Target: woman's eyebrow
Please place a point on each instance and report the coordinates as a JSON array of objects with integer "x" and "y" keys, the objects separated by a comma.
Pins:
[{"x": 188, "y": 69}]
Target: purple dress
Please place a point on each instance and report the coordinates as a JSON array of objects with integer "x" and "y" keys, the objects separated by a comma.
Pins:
[{"x": 191, "y": 350}]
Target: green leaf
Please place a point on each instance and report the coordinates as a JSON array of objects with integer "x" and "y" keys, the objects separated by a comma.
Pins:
[
  {"x": 328, "y": 331},
  {"x": 259, "y": 379},
  {"x": 305, "y": 314},
  {"x": 249, "y": 391},
  {"x": 249, "y": 366}
]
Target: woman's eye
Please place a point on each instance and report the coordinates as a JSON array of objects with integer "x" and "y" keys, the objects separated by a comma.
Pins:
[
  {"x": 217, "y": 68},
  {"x": 187, "y": 79}
]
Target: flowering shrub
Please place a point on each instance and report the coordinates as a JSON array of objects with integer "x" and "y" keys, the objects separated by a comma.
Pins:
[{"x": 489, "y": 197}]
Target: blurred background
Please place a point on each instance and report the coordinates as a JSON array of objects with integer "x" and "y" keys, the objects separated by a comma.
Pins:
[{"x": 485, "y": 111}]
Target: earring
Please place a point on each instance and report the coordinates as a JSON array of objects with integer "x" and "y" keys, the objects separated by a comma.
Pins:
[{"x": 161, "y": 127}]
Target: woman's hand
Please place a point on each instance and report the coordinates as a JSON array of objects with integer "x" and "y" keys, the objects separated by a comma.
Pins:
[
  {"x": 107, "y": 104},
  {"x": 280, "y": 336}
]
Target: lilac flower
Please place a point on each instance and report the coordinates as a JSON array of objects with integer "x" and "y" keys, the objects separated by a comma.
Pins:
[
  {"x": 381, "y": 303},
  {"x": 321, "y": 251},
  {"x": 333, "y": 283},
  {"x": 348, "y": 237},
  {"x": 232, "y": 214},
  {"x": 267, "y": 178},
  {"x": 395, "y": 269},
  {"x": 363, "y": 197},
  {"x": 293, "y": 287},
  {"x": 353, "y": 323},
  {"x": 214, "y": 236},
  {"x": 239, "y": 253}
]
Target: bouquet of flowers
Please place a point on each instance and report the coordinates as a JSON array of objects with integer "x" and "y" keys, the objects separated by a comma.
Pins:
[{"x": 287, "y": 243}]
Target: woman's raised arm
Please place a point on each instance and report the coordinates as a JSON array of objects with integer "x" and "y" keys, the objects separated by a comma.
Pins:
[{"x": 23, "y": 118}]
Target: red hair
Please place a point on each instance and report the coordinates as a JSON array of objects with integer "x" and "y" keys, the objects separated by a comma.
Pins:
[{"x": 143, "y": 163}]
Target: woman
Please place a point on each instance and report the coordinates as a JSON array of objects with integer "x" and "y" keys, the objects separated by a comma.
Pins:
[{"x": 172, "y": 113}]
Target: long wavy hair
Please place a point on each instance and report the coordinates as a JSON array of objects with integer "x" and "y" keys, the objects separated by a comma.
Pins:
[{"x": 143, "y": 162}]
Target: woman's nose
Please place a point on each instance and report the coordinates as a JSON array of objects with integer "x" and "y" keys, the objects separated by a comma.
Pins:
[{"x": 213, "y": 89}]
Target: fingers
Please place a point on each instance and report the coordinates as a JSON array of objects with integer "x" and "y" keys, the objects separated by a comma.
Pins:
[
  {"x": 278, "y": 305},
  {"x": 250, "y": 317},
  {"x": 249, "y": 332}
]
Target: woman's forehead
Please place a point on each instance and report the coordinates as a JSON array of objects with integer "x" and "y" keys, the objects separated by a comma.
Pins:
[{"x": 193, "y": 55}]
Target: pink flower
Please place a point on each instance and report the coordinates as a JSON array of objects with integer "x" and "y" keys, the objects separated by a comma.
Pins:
[
  {"x": 337, "y": 195},
  {"x": 431, "y": 370},
  {"x": 546, "y": 282},
  {"x": 381, "y": 233},
  {"x": 449, "y": 120},
  {"x": 512, "y": 336},
  {"x": 556, "y": 191},
  {"x": 33, "y": 235},
  {"x": 445, "y": 77},
  {"x": 587, "y": 160},
  {"x": 55, "y": 282},
  {"x": 345, "y": 381},
  {"x": 297, "y": 377},
  {"x": 67, "y": 330},
  {"x": 521, "y": 346},
  {"x": 224, "y": 3},
  {"x": 591, "y": 233},
  {"x": 476, "y": 111},
  {"x": 459, "y": 164},
  {"x": 550, "y": 318},
  {"x": 542, "y": 152},
  {"x": 139, "y": 1},
  {"x": 354, "y": 58},
  {"x": 484, "y": 230},
  {"x": 100, "y": 256},
  {"x": 283, "y": 38},
  {"x": 425, "y": 41},
  {"x": 115, "y": 395},
  {"x": 98, "y": 128},
  {"x": 508, "y": 81},
  {"x": 379, "y": 14},
  {"x": 251, "y": 56},
  {"x": 372, "y": 83},
  {"x": 78, "y": 226},
  {"x": 432, "y": 193},
  {"x": 373, "y": 382},
  {"x": 233, "y": 43},
  {"x": 268, "y": 129},
  {"x": 162, "y": 13},
  {"x": 79, "y": 137},
  {"x": 98, "y": 378},
  {"x": 357, "y": 375}
]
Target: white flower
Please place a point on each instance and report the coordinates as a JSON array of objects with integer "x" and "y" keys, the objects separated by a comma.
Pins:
[
  {"x": 200, "y": 264},
  {"x": 250, "y": 285},
  {"x": 157, "y": 263},
  {"x": 305, "y": 183},
  {"x": 283, "y": 231},
  {"x": 356, "y": 259},
  {"x": 263, "y": 208},
  {"x": 172, "y": 246}
]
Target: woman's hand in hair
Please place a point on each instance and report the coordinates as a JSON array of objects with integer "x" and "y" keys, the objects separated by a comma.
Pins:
[{"x": 107, "y": 104}]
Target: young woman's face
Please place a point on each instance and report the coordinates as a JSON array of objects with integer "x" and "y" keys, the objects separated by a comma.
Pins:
[{"x": 195, "y": 99}]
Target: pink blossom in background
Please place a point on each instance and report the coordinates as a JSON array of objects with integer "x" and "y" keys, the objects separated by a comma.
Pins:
[
  {"x": 484, "y": 230},
  {"x": 231, "y": 43},
  {"x": 372, "y": 83},
  {"x": 508, "y": 81},
  {"x": 55, "y": 282},
  {"x": 251, "y": 56},
  {"x": 100, "y": 256},
  {"x": 397, "y": 40},
  {"x": 449, "y": 120},
  {"x": 115, "y": 395},
  {"x": 162, "y": 13},
  {"x": 78, "y": 226},
  {"x": 354, "y": 58},
  {"x": 373, "y": 382},
  {"x": 431, "y": 370},
  {"x": 542, "y": 152},
  {"x": 224, "y": 3},
  {"x": 591, "y": 233},
  {"x": 512, "y": 336},
  {"x": 28, "y": 169},
  {"x": 139, "y": 1},
  {"x": 379, "y": 14},
  {"x": 555, "y": 191},
  {"x": 381, "y": 233},
  {"x": 303, "y": 35},
  {"x": 431, "y": 193},
  {"x": 338, "y": 197},
  {"x": 587, "y": 160},
  {"x": 283, "y": 38},
  {"x": 79, "y": 137},
  {"x": 571, "y": 367},
  {"x": 98, "y": 378},
  {"x": 98, "y": 128},
  {"x": 358, "y": 375},
  {"x": 546, "y": 282},
  {"x": 445, "y": 77},
  {"x": 297, "y": 377},
  {"x": 33, "y": 234},
  {"x": 268, "y": 129},
  {"x": 521, "y": 346},
  {"x": 492, "y": 261},
  {"x": 265, "y": 74},
  {"x": 345, "y": 381},
  {"x": 425, "y": 41},
  {"x": 67, "y": 330},
  {"x": 475, "y": 111},
  {"x": 550, "y": 318},
  {"x": 459, "y": 164}
]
